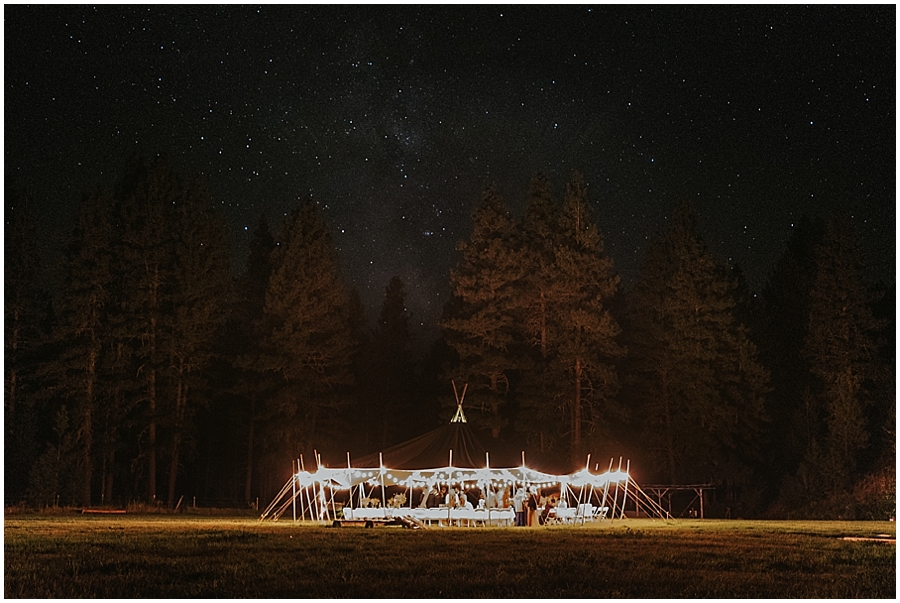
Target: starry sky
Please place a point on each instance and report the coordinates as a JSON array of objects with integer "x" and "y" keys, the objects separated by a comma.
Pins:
[{"x": 395, "y": 119}]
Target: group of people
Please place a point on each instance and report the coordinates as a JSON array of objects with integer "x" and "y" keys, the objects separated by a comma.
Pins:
[
  {"x": 531, "y": 509},
  {"x": 527, "y": 503},
  {"x": 447, "y": 497}
]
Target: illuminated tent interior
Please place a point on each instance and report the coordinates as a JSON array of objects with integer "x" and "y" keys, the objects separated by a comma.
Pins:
[{"x": 424, "y": 481}]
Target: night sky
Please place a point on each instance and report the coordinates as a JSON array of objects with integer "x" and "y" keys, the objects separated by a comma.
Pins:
[{"x": 396, "y": 118}]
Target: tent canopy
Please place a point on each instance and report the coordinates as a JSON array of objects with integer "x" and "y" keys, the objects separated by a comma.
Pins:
[{"x": 434, "y": 449}]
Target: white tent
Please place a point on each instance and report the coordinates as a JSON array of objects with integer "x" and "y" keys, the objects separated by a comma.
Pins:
[
  {"x": 415, "y": 467},
  {"x": 343, "y": 494}
]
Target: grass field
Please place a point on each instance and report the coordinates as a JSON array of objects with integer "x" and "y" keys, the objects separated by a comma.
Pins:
[{"x": 130, "y": 556}]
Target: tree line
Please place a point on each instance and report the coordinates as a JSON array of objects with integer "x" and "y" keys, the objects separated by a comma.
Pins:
[{"x": 149, "y": 373}]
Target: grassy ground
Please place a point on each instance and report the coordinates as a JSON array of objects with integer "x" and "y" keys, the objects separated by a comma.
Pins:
[{"x": 130, "y": 556}]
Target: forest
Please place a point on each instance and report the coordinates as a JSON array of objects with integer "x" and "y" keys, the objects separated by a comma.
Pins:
[{"x": 148, "y": 373}]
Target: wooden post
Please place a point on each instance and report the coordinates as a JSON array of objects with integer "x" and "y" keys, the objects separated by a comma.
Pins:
[{"x": 701, "y": 503}]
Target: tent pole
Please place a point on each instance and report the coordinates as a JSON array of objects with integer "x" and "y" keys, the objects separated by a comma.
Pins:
[
  {"x": 294, "y": 490},
  {"x": 300, "y": 496},
  {"x": 616, "y": 498},
  {"x": 331, "y": 498},
  {"x": 323, "y": 502},
  {"x": 309, "y": 499},
  {"x": 609, "y": 485},
  {"x": 381, "y": 475},
  {"x": 627, "y": 477}
]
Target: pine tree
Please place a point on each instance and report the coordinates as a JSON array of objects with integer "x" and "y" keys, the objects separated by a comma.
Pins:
[
  {"x": 702, "y": 387},
  {"x": 307, "y": 339},
  {"x": 22, "y": 335},
  {"x": 583, "y": 333},
  {"x": 147, "y": 196},
  {"x": 481, "y": 326},
  {"x": 781, "y": 336},
  {"x": 842, "y": 352},
  {"x": 392, "y": 375},
  {"x": 541, "y": 417},
  {"x": 82, "y": 331},
  {"x": 244, "y": 334},
  {"x": 200, "y": 282}
]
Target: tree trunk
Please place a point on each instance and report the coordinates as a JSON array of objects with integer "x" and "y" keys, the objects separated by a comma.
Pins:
[
  {"x": 249, "y": 480},
  {"x": 11, "y": 393},
  {"x": 151, "y": 462},
  {"x": 495, "y": 407},
  {"x": 106, "y": 477},
  {"x": 154, "y": 304},
  {"x": 670, "y": 436},
  {"x": 543, "y": 325},
  {"x": 181, "y": 391},
  {"x": 87, "y": 431},
  {"x": 11, "y": 398},
  {"x": 576, "y": 412}
]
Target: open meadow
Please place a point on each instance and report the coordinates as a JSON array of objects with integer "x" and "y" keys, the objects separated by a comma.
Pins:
[{"x": 131, "y": 556}]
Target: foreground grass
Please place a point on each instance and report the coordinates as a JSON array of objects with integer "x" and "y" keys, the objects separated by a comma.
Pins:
[{"x": 162, "y": 557}]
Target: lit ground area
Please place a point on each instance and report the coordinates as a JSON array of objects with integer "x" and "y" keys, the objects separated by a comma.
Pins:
[{"x": 131, "y": 556}]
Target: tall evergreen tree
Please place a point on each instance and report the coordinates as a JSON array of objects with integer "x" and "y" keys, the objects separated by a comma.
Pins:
[
  {"x": 541, "y": 416},
  {"x": 481, "y": 326},
  {"x": 568, "y": 390},
  {"x": 782, "y": 335},
  {"x": 244, "y": 334},
  {"x": 200, "y": 282},
  {"x": 390, "y": 388},
  {"x": 841, "y": 348},
  {"x": 583, "y": 333},
  {"x": 22, "y": 334},
  {"x": 148, "y": 195},
  {"x": 307, "y": 339},
  {"x": 83, "y": 330},
  {"x": 702, "y": 386}
]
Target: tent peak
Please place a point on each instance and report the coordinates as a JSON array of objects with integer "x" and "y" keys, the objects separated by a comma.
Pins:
[{"x": 460, "y": 416}]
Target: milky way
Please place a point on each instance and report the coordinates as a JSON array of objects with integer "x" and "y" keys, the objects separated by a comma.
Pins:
[{"x": 395, "y": 119}]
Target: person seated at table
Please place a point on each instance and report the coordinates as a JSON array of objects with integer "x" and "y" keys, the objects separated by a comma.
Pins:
[
  {"x": 430, "y": 499},
  {"x": 461, "y": 499},
  {"x": 546, "y": 511}
]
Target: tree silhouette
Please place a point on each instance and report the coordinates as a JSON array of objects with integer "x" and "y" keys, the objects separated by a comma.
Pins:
[
  {"x": 700, "y": 386},
  {"x": 308, "y": 341},
  {"x": 841, "y": 348},
  {"x": 22, "y": 301},
  {"x": 481, "y": 326}
]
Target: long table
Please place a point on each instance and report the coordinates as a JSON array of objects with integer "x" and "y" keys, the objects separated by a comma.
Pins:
[{"x": 444, "y": 516}]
